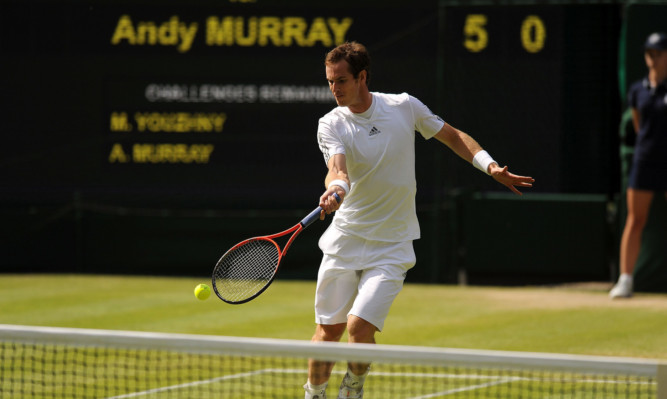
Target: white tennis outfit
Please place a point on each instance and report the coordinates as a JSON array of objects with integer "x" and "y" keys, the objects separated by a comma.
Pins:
[{"x": 368, "y": 246}]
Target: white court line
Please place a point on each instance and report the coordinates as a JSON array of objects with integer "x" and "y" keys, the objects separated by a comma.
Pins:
[
  {"x": 498, "y": 381},
  {"x": 187, "y": 385},
  {"x": 299, "y": 371},
  {"x": 464, "y": 389}
]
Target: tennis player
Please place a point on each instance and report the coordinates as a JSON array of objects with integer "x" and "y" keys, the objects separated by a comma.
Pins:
[{"x": 368, "y": 143}]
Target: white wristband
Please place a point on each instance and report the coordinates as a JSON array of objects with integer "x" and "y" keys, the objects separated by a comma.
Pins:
[
  {"x": 340, "y": 183},
  {"x": 482, "y": 160}
]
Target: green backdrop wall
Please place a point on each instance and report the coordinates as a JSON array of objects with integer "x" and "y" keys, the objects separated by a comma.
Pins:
[{"x": 147, "y": 137}]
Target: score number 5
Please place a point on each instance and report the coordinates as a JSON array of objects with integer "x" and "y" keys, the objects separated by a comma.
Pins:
[{"x": 476, "y": 37}]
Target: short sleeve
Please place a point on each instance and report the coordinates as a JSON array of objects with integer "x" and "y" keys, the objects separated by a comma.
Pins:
[
  {"x": 329, "y": 142},
  {"x": 427, "y": 123}
]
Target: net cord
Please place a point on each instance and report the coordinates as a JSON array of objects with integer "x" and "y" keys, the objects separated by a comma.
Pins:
[{"x": 334, "y": 351}]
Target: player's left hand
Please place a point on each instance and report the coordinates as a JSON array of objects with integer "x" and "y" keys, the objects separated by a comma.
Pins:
[{"x": 510, "y": 180}]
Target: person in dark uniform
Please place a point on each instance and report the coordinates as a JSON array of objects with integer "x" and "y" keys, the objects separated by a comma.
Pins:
[{"x": 648, "y": 173}]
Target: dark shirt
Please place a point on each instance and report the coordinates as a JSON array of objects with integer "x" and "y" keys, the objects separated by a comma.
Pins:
[{"x": 651, "y": 145}]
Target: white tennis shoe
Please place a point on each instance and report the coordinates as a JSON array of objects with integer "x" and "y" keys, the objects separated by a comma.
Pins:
[
  {"x": 623, "y": 288},
  {"x": 351, "y": 388},
  {"x": 350, "y": 393}
]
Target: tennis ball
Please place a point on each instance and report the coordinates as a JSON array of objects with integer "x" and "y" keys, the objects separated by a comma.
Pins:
[{"x": 202, "y": 292}]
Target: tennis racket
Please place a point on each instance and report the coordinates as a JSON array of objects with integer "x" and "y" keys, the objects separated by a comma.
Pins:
[{"x": 249, "y": 267}]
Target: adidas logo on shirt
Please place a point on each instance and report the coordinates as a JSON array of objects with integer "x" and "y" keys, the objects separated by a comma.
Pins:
[{"x": 374, "y": 131}]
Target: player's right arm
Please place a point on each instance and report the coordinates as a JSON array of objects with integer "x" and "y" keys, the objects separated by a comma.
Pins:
[
  {"x": 337, "y": 172},
  {"x": 635, "y": 118}
]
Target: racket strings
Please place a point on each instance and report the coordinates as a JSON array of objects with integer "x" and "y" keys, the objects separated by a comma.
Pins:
[{"x": 245, "y": 270}]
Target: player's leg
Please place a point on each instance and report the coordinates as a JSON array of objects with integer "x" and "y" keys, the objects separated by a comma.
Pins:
[
  {"x": 320, "y": 371},
  {"x": 378, "y": 287},
  {"x": 334, "y": 296},
  {"x": 639, "y": 204},
  {"x": 359, "y": 331}
]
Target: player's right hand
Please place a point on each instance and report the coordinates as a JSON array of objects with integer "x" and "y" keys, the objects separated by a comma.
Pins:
[{"x": 328, "y": 201}]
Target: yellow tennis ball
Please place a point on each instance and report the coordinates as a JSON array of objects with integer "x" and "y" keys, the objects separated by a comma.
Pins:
[{"x": 202, "y": 292}]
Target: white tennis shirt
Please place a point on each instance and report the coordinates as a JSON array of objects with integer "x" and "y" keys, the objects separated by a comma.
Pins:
[{"x": 379, "y": 147}]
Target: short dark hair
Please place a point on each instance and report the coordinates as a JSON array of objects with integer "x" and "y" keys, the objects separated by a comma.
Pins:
[{"x": 356, "y": 56}]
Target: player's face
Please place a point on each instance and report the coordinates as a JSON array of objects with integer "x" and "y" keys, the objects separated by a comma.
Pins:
[
  {"x": 344, "y": 87},
  {"x": 657, "y": 59}
]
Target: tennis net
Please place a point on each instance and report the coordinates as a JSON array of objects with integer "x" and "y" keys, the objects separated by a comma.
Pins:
[{"x": 48, "y": 362}]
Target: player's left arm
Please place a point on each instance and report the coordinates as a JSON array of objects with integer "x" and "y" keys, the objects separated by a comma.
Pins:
[{"x": 466, "y": 147}]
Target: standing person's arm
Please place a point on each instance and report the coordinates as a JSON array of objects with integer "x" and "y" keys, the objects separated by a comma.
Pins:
[
  {"x": 635, "y": 118},
  {"x": 467, "y": 148}
]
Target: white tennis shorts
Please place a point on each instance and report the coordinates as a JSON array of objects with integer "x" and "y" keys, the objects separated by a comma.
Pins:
[{"x": 359, "y": 277}]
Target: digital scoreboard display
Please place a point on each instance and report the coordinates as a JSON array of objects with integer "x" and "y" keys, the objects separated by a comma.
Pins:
[
  {"x": 128, "y": 123},
  {"x": 190, "y": 103},
  {"x": 535, "y": 84},
  {"x": 216, "y": 103}
]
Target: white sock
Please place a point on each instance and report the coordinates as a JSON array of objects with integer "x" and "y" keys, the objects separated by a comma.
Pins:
[
  {"x": 356, "y": 381},
  {"x": 314, "y": 389}
]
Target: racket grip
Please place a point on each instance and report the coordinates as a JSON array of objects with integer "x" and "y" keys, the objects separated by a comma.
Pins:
[{"x": 315, "y": 214}]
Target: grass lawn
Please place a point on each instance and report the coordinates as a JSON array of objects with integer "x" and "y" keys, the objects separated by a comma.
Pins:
[
  {"x": 572, "y": 320},
  {"x": 576, "y": 320}
]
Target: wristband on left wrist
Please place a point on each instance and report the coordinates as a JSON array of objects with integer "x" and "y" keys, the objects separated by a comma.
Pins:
[{"x": 482, "y": 160}]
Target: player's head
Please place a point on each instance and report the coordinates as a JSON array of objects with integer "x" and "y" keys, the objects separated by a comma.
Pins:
[
  {"x": 656, "y": 41},
  {"x": 356, "y": 56},
  {"x": 655, "y": 52},
  {"x": 347, "y": 68}
]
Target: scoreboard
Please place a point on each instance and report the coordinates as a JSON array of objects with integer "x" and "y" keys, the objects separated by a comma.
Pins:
[
  {"x": 536, "y": 85},
  {"x": 216, "y": 103},
  {"x": 127, "y": 123},
  {"x": 186, "y": 103}
]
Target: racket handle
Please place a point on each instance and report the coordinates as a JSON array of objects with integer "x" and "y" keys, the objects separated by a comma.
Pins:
[{"x": 315, "y": 214}]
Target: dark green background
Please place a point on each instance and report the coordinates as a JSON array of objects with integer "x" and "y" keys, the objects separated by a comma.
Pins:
[{"x": 553, "y": 115}]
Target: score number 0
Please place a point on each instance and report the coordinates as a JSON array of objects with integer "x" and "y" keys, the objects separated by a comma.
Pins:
[{"x": 533, "y": 33}]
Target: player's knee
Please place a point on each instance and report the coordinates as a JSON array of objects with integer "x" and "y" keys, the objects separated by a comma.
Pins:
[
  {"x": 332, "y": 332},
  {"x": 637, "y": 221},
  {"x": 360, "y": 330}
]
